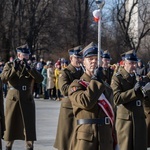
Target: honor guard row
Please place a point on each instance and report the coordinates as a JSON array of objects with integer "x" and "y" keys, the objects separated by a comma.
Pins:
[{"x": 86, "y": 118}]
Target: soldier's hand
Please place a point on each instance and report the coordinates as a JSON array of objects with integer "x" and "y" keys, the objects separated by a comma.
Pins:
[
  {"x": 16, "y": 64},
  {"x": 26, "y": 64},
  {"x": 98, "y": 74},
  {"x": 146, "y": 89},
  {"x": 138, "y": 87}
]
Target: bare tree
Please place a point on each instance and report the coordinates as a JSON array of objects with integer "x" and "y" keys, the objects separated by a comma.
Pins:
[
  {"x": 24, "y": 20},
  {"x": 126, "y": 11}
]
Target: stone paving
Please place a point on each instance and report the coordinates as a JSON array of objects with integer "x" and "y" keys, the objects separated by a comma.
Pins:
[{"x": 46, "y": 123}]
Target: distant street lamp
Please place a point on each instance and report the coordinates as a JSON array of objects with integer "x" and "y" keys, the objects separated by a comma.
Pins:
[{"x": 100, "y": 4}]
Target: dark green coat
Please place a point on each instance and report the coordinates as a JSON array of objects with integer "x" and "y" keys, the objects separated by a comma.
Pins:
[
  {"x": 84, "y": 102},
  {"x": 2, "y": 118},
  {"x": 130, "y": 118},
  {"x": 146, "y": 104},
  {"x": 66, "y": 117},
  {"x": 20, "y": 105}
]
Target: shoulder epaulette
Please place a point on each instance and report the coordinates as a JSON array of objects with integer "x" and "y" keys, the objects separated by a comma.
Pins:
[
  {"x": 117, "y": 74},
  {"x": 63, "y": 69},
  {"x": 9, "y": 62},
  {"x": 84, "y": 83}
]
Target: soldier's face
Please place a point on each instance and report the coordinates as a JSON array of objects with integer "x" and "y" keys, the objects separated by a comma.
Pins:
[
  {"x": 22, "y": 56},
  {"x": 130, "y": 66},
  {"x": 105, "y": 61},
  {"x": 75, "y": 61},
  {"x": 90, "y": 64}
]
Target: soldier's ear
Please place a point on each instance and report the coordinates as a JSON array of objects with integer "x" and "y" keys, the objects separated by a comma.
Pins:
[
  {"x": 84, "y": 62},
  {"x": 70, "y": 58}
]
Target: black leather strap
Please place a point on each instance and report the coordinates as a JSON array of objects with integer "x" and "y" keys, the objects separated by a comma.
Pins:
[
  {"x": 100, "y": 121},
  {"x": 22, "y": 88}
]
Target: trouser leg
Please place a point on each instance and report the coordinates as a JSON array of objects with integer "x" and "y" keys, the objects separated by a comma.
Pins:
[
  {"x": 29, "y": 145},
  {"x": 9, "y": 145},
  {"x": 0, "y": 138},
  {"x": 0, "y": 144}
]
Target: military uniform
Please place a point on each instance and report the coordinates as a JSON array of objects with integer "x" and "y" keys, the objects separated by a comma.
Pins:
[
  {"x": 2, "y": 118},
  {"x": 66, "y": 117},
  {"x": 91, "y": 130},
  {"x": 107, "y": 72},
  {"x": 146, "y": 105},
  {"x": 20, "y": 105},
  {"x": 130, "y": 117}
]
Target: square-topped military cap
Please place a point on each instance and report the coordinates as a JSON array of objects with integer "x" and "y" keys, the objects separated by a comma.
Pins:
[
  {"x": 122, "y": 56},
  {"x": 90, "y": 50},
  {"x": 139, "y": 60},
  {"x": 23, "y": 49},
  {"x": 131, "y": 55},
  {"x": 106, "y": 54},
  {"x": 75, "y": 51}
]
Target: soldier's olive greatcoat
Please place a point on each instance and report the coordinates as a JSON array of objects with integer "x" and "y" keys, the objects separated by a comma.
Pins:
[
  {"x": 146, "y": 105},
  {"x": 107, "y": 75},
  {"x": 130, "y": 117},
  {"x": 85, "y": 106},
  {"x": 66, "y": 117},
  {"x": 2, "y": 118},
  {"x": 20, "y": 105}
]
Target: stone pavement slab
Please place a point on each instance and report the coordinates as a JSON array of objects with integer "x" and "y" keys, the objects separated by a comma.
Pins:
[{"x": 47, "y": 112}]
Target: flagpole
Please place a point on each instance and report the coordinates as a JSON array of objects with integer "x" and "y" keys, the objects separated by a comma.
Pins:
[{"x": 100, "y": 4}]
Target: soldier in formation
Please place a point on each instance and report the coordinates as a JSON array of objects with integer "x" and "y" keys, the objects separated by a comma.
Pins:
[
  {"x": 94, "y": 122},
  {"x": 145, "y": 80},
  {"x": 66, "y": 118},
  {"x": 128, "y": 98},
  {"x": 2, "y": 122},
  {"x": 20, "y": 106},
  {"x": 107, "y": 71}
]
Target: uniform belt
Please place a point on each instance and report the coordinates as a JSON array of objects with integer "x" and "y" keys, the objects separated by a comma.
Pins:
[
  {"x": 137, "y": 103},
  {"x": 100, "y": 121},
  {"x": 23, "y": 87}
]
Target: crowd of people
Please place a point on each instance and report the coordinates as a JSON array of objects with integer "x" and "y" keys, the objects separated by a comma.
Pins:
[
  {"x": 49, "y": 88},
  {"x": 104, "y": 107}
]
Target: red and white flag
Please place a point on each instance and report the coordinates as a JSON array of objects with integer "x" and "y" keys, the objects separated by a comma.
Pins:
[
  {"x": 106, "y": 107},
  {"x": 96, "y": 14}
]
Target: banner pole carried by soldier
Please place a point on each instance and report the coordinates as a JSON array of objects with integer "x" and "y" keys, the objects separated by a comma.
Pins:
[
  {"x": 94, "y": 121},
  {"x": 97, "y": 18}
]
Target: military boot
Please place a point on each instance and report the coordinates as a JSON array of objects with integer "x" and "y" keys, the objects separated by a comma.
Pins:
[{"x": 8, "y": 148}]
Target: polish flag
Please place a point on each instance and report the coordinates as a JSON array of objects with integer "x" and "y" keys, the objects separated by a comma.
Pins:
[{"x": 96, "y": 14}]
